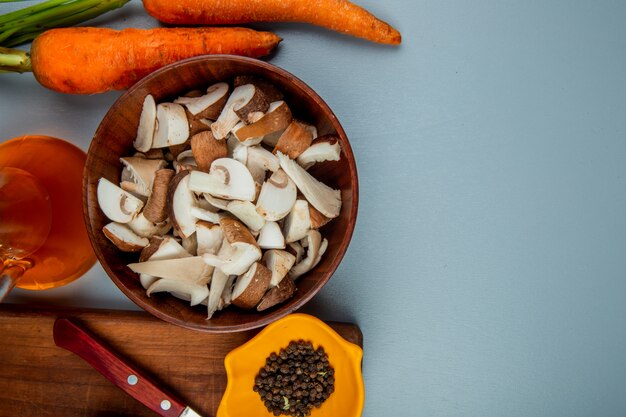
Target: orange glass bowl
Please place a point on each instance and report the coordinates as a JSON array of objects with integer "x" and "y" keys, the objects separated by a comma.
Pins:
[{"x": 243, "y": 364}]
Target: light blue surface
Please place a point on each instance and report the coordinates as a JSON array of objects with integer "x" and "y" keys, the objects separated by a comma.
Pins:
[{"x": 488, "y": 267}]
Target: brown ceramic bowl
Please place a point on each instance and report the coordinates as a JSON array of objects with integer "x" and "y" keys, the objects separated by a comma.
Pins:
[{"x": 114, "y": 139}]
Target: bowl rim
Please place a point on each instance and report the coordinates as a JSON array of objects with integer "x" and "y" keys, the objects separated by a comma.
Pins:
[{"x": 343, "y": 245}]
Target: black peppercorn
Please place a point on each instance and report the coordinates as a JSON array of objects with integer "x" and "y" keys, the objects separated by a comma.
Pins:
[{"x": 295, "y": 379}]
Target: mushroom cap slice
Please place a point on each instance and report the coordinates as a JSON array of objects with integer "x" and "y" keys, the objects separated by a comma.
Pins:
[
  {"x": 147, "y": 124},
  {"x": 216, "y": 96},
  {"x": 243, "y": 249},
  {"x": 251, "y": 286},
  {"x": 227, "y": 178},
  {"x": 246, "y": 212},
  {"x": 269, "y": 90},
  {"x": 237, "y": 150},
  {"x": 317, "y": 219},
  {"x": 259, "y": 160},
  {"x": 324, "y": 149},
  {"x": 145, "y": 228},
  {"x": 277, "y": 118},
  {"x": 163, "y": 248},
  {"x": 156, "y": 207},
  {"x": 124, "y": 238},
  {"x": 294, "y": 140},
  {"x": 172, "y": 125},
  {"x": 142, "y": 172},
  {"x": 326, "y": 200},
  {"x": 216, "y": 203},
  {"x": 206, "y": 149},
  {"x": 196, "y": 292},
  {"x": 279, "y": 262},
  {"x": 249, "y": 110},
  {"x": 192, "y": 268},
  {"x": 277, "y": 295},
  {"x": 271, "y": 237},
  {"x": 118, "y": 205},
  {"x": 245, "y": 140},
  {"x": 277, "y": 197},
  {"x": 314, "y": 239},
  {"x": 298, "y": 222},
  {"x": 228, "y": 118},
  {"x": 180, "y": 202}
]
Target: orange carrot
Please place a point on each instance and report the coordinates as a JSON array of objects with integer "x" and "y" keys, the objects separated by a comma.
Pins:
[
  {"x": 94, "y": 60},
  {"x": 339, "y": 15}
]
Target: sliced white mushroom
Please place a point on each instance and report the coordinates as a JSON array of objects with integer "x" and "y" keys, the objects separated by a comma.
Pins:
[
  {"x": 194, "y": 291},
  {"x": 216, "y": 203},
  {"x": 192, "y": 269},
  {"x": 227, "y": 294},
  {"x": 184, "y": 208},
  {"x": 190, "y": 243},
  {"x": 325, "y": 149},
  {"x": 160, "y": 248},
  {"x": 249, "y": 141},
  {"x": 298, "y": 222},
  {"x": 124, "y": 238},
  {"x": 172, "y": 125},
  {"x": 277, "y": 197},
  {"x": 209, "y": 237},
  {"x": 214, "y": 95},
  {"x": 147, "y": 124},
  {"x": 186, "y": 159},
  {"x": 237, "y": 150},
  {"x": 326, "y": 200},
  {"x": 227, "y": 179},
  {"x": 297, "y": 249},
  {"x": 145, "y": 228},
  {"x": 246, "y": 212},
  {"x": 118, "y": 205},
  {"x": 244, "y": 249},
  {"x": 250, "y": 287},
  {"x": 314, "y": 239},
  {"x": 253, "y": 109},
  {"x": 218, "y": 281},
  {"x": 277, "y": 118},
  {"x": 279, "y": 262},
  {"x": 258, "y": 161},
  {"x": 228, "y": 118},
  {"x": 206, "y": 149},
  {"x": 271, "y": 237},
  {"x": 294, "y": 140}
]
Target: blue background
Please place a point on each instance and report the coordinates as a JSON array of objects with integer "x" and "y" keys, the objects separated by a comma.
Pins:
[{"x": 488, "y": 267}]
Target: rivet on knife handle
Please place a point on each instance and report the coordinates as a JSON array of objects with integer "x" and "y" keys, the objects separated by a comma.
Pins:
[{"x": 69, "y": 335}]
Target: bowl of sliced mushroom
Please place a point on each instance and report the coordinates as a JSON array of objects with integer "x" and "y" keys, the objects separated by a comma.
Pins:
[{"x": 220, "y": 193}]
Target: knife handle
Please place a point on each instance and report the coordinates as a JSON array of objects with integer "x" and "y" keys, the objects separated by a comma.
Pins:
[{"x": 69, "y": 335}]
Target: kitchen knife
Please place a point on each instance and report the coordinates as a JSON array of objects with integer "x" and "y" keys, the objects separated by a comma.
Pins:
[{"x": 71, "y": 336}]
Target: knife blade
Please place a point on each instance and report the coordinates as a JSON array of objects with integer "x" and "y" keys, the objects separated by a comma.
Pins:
[{"x": 70, "y": 335}]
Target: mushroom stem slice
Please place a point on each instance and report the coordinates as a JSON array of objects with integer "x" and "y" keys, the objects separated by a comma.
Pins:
[
  {"x": 147, "y": 124},
  {"x": 118, "y": 205},
  {"x": 238, "y": 262},
  {"x": 218, "y": 284},
  {"x": 209, "y": 237},
  {"x": 326, "y": 200},
  {"x": 314, "y": 239},
  {"x": 124, "y": 238},
  {"x": 191, "y": 268},
  {"x": 142, "y": 172},
  {"x": 196, "y": 292},
  {"x": 324, "y": 149}
]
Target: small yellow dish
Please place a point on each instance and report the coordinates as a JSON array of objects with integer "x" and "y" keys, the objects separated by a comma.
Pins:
[{"x": 243, "y": 363}]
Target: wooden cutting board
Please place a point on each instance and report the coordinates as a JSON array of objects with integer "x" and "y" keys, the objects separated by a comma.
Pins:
[{"x": 39, "y": 379}]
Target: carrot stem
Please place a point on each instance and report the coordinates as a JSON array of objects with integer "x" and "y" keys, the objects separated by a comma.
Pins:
[
  {"x": 14, "y": 60},
  {"x": 24, "y": 25}
]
